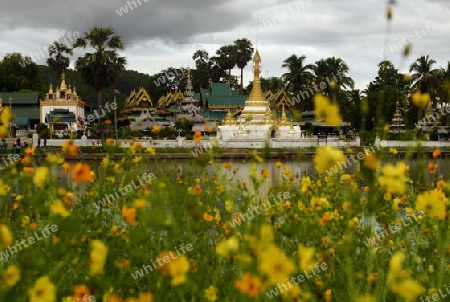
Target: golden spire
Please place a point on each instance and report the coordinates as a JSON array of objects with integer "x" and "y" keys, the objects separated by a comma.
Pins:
[
  {"x": 256, "y": 94},
  {"x": 74, "y": 90},
  {"x": 63, "y": 81},
  {"x": 189, "y": 74},
  {"x": 50, "y": 90}
]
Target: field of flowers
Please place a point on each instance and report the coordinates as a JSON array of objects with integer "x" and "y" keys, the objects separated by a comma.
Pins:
[{"x": 140, "y": 229}]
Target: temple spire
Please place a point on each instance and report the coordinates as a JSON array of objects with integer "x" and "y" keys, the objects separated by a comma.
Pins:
[
  {"x": 256, "y": 94},
  {"x": 63, "y": 81}
]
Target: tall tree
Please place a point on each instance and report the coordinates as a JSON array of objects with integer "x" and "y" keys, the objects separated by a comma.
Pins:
[
  {"x": 57, "y": 61},
  {"x": 424, "y": 77},
  {"x": 298, "y": 76},
  {"x": 244, "y": 51},
  {"x": 226, "y": 58},
  {"x": 100, "y": 68},
  {"x": 202, "y": 72},
  {"x": 18, "y": 73}
]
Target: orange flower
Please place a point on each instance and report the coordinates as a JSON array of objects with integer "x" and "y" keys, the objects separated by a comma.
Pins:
[
  {"x": 68, "y": 198},
  {"x": 436, "y": 153},
  {"x": 26, "y": 160},
  {"x": 197, "y": 136},
  {"x": 29, "y": 170},
  {"x": 33, "y": 226},
  {"x": 207, "y": 128},
  {"x": 110, "y": 141},
  {"x": 107, "y": 122},
  {"x": 69, "y": 148},
  {"x": 82, "y": 173},
  {"x": 325, "y": 218},
  {"x": 156, "y": 129},
  {"x": 208, "y": 217},
  {"x": 29, "y": 151},
  {"x": 129, "y": 214},
  {"x": 432, "y": 168},
  {"x": 81, "y": 292},
  {"x": 249, "y": 285},
  {"x": 198, "y": 189}
]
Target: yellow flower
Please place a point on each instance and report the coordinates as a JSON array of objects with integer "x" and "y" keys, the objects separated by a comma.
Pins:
[
  {"x": 178, "y": 269},
  {"x": 151, "y": 150},
  {"x": 40, "y": 177},
  {"x": 306, "y": 183},
  {"x": 58, "y": 208},
  {"x": 421, "y": 100},
  {"x": 408, "y": 289},
  {"x": 98, "y": 257},
  {"x": 55, "y": 158},
  {"x": 228, "y": 246},
  {"x": 393, "y": 178},
  {"x": 42, "y": 291},
  {"x": 306, "y": 255},
  {"x": 275, "y": 265},
  {"x": 4, "y": 189},
  {"x": 328, "y": 157},
  {"x": 5, "y": 118},
  {"x": 12, "y": 275},
  {"x": 69, "y": 148},
  {"x": 211, "y": 293},
  {"x": 325, "y": 110},
  {"x": 140, "y": 203},
  {"x": 137, "y": 159},
  {"x": 393, "y": 151},
  {"x": 370, "y": 161},
  {"x": 432, "y": 204},
  {"x": 229, "y": 206},
  {"x": 5, "y": 236},
  {"x": 110, "y": 141}
]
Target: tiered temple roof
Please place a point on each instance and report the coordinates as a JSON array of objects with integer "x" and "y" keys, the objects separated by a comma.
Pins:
[
  {"x": 397, "y": 125},
  {"x": 137, "y": 103}
]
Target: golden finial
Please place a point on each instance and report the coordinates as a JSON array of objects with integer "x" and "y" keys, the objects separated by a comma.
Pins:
[
  {"x": 63, "y": 81},
  {"x": 50, "y": 90},
  {"x": 189, "y": 74}
]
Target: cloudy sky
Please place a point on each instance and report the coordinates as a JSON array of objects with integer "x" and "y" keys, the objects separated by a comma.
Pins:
[{"x": 159, "y": 34}]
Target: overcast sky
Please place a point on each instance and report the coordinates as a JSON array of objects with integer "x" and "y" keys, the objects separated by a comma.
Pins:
[{"x": 159, "y": 34}]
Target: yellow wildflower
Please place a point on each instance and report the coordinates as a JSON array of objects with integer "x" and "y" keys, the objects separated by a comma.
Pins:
[
  {"x": 421, "y": 100},
  {"x": 325, "y": 110},
  {"x": 43, "y": 290},
  {"x": 328, "y": 157},
  {"x": 211, "y": 293},
  {"x": 98, "y": 257},
  {"x": 178, "y": 269},
  {"x": 5, "y": 236},
  {"x": 12, "y": 275},
  {"x": 227, "y": 247},
  {"x": 41, "y": 176},
  {"x": 432, "y": 204},
  {"x": 58, "y": 208},
  {"x": 306, "y": 255},
  {"x": 393, "y": 178},
  {"x": 275, "y": 265}
]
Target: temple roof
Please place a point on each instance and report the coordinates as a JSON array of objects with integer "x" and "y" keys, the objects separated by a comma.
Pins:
[{"x": 60, "y": 116}]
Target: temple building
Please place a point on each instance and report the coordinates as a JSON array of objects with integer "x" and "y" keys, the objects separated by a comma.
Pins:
[
  {"x": 189, "y": 107},
  {"x": 397, "y": 127},
  {"x": 256, "y": 122},
  {"x": 138, "y": 105},
  {"x": 62, "y": 109}
]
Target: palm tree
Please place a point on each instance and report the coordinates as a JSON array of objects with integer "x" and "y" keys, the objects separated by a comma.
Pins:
[
  {"x": 244, "y": 51},
  {"x": 338, "y": 70},
  {"x": 424, "y": 78},
  {"x": 322, "y": 74},
  {"x": 226, "y": 58},
  {"x": 100, "y": 68},
  {"x": 57, "y": 61},
  {"x": 298, "y": 76}
]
